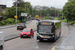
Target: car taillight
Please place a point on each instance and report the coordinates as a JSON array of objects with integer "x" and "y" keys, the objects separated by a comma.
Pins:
[
  {"x": 22, "y": 26},
  {"x": 51, "y": 32}
]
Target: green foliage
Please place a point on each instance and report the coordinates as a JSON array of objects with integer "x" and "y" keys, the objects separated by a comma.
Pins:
[
  {"x": 28, "y": 8},
  {"x": 9, "y": 21},
  {"x": 11, "y": 12},
  {"x": 22, "y": 6},
  {"x": 69, "y": 0},
  {"x": 18, "y": 21},
  {"x": 64, "y": 20},
  {"x": 71, "y": 22},
  {"x": 69, "y": 10},
  {"x": 40, "y": 17},
  {"x": 20, "y": 3},
  {"x": 58, "y": 25},
  {"x": 47, "y": 17},
  {"x": 47, "y": 12},
  {"x": 56, "y": 18}
]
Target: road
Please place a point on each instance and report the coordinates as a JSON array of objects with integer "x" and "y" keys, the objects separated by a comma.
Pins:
[
  {"x": 68, "y": 42},
  {"x": 13, "y": 30},
  {"x": 32, "y": 43}
]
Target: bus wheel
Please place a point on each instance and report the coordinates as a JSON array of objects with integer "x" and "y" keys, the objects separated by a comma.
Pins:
[
  {"x": 59, "y": 35},
  {"x": 54, "y": 39},
  {"x": 40, "y": 40}
]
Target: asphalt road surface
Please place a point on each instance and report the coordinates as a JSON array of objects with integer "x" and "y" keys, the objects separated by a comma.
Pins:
[
  {"x": 69, "y": 41},
  {"x": 32, "y": 43},
  {"x": 13, "y": 30}
]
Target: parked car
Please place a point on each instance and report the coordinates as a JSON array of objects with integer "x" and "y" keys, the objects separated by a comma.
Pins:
[
  {"x": 21, "y": 26},
  {"x": 27, "y": 32},
  {"x": 1, "y": 39}
]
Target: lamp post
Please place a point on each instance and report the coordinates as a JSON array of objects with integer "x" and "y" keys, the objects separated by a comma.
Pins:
[
  {"x": 16, "y": 13},
  {"x": 55, "y": 12}
]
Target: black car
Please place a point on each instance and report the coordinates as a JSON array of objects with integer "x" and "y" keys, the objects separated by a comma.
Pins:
[{"x": 21, "y": 26}]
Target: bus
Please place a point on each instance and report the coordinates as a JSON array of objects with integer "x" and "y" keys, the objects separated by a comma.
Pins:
[
  {"x": 48, "y": 30},
  {"x": 37, "y": 16}
]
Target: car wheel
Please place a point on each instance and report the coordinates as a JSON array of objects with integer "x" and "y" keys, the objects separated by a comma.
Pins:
[
  {"x": 30, "y": 36},
  {"x": 54, "y": 39},
  {"x": 59, "y": 35},
  {"x": 17, "y": 28},
  {"x": 21, "y": 36}
]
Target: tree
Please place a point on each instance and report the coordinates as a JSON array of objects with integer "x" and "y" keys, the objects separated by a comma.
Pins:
[
  {"x": 20, "y": 3},
  {"x": 69, "y": 10},
  {"x": 28, "y": 8},
  {"x": 11, "y": 12},
  {"x": 26, "y": 5},
  {"x": 69, "y": 0},
  {"x": 47, "y": 12}
]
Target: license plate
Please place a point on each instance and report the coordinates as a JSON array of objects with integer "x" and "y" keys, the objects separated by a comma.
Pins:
[
  {"x": 24, "y": 35},
  {"x": 19, "y": 27},
  {"x": 45, "y": 39}
]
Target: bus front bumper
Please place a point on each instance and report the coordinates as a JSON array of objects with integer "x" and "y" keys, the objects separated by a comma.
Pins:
[{"x": 48, "y": 38}]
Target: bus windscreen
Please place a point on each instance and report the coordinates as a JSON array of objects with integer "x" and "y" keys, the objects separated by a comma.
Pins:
[{"x": 43, "y": 29}]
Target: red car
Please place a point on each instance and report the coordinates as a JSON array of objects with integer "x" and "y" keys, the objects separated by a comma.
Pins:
[{"x": 27, "y": 32}]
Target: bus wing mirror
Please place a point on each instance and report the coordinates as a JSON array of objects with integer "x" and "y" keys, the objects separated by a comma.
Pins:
[
  {"x": 36, "y": 26},
  {"x": 55, "y": 26}
]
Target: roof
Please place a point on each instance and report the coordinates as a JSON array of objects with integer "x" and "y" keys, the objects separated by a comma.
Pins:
[{"x": 55, "y": 21}]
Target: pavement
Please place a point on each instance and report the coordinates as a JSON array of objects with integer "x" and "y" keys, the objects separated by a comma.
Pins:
[{"x": 68, "y": 42}]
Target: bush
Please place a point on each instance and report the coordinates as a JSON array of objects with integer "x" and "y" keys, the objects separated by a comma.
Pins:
[
  {"x": 9, "y": 21},
  {"x": 56, "y": 18},
  {"x": 71, "y": 22},
  {"x": 64, "y": 20},
  {"x": 18, "y": 21}
]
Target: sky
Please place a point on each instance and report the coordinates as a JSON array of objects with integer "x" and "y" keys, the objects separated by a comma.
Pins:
[{"x": 49, "y": 3}]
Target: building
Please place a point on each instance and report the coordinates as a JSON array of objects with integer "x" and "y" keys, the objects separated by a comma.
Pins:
[
  {"x": 2, "y": 10},
  {"x": 38, "y": 7}
]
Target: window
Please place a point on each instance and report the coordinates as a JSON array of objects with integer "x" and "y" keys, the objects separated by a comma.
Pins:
[
  {"x": 44, "y": 29},
  {"x": 26, "y": 30}
]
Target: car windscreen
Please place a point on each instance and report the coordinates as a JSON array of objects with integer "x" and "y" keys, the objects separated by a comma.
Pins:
[
  {"x": 26, "y": 30},
  {"x": 43, "y": 29}
]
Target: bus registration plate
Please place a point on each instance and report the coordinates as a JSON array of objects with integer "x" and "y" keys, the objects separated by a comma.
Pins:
[{"x": 45, "y": 39}]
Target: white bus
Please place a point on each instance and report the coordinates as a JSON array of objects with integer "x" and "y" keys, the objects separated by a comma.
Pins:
[{"x": 48, "y": 30}]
